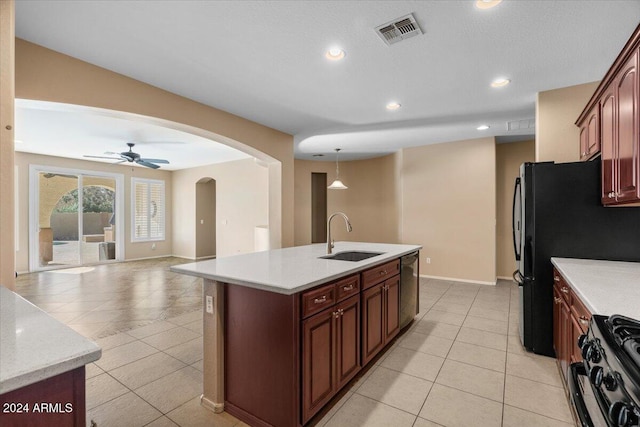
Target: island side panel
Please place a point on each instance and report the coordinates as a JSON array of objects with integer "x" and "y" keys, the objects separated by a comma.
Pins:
[{"x": 262, "y": 356}]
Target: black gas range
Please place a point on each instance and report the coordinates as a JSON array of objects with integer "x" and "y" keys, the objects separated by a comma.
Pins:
[{"x": 605, "y": 387}]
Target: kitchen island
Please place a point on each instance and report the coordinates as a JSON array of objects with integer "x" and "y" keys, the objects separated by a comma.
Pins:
[
  {"x": 285, "y": 330},
  {"x": 42, "y": 366}
]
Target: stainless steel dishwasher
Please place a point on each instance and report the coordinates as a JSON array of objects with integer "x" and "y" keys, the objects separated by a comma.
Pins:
[{"x": 409, "y": 277}]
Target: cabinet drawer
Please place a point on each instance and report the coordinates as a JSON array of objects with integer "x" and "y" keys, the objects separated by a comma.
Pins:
[
  {"x": 563, "y": 288},
  {"x": 318, "y": 299},
  {"x": 380, "y": 273},
  {"x": 580, "y": 312},
  {"x": 348, "y": 287}
]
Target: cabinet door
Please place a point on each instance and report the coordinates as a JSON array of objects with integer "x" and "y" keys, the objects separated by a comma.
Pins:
[
  {"x": 392, "y": 308},
  {"x": 584, "y": 142},
  {"x": 593, "y": 131},
  {"x": 557, "y": 330},
  {"x": 348, "y": 337},
  {"x": 608, "y": 142},
  {"x": 372, "y": 322},
  {"x": 565, "y": 337},
  {"x": 627, "y": 132},
  {"x": 318, "y": 349},
  {"x": 575, "y": 354}
]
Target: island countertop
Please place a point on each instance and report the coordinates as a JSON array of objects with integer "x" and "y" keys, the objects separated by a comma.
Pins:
[
  {"x": 605, "y": 287},
  {"x": 291, "y": 270},
  {"x": 34, "y": 346}
]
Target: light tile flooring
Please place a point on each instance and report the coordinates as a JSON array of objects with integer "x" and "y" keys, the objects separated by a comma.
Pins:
[{"x": 460, "y": 364}]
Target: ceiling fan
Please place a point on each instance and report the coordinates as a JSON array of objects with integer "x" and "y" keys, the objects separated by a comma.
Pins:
[{"x": 131, "y": 157}]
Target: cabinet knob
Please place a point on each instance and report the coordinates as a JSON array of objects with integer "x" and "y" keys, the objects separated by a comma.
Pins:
[
  {"x": 335, "y": 314},
  {"x": 564, "y": 289},
  {"x": 557, "y": 300},
  {"x": 348, "y": 288},
  {"x": 612, "y": 195},
  {"x": 556, "y": 278},
  {"x": 320, "y": 300},
  {"x": 584, "y": 320}
]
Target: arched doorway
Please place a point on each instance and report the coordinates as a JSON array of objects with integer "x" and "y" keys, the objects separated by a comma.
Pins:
[{"x": 205, "y": 218}]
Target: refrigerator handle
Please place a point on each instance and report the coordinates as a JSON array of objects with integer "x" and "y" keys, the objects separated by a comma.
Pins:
[
  {"x": 516, "y": 227},
  {"x": 517, "y": 277}
]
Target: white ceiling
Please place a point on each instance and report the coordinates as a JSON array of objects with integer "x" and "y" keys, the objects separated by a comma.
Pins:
[{"x": 264, "y": 60}]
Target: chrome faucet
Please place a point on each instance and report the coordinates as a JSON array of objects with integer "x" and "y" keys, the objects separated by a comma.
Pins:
[{"x": 329, "y": 239}]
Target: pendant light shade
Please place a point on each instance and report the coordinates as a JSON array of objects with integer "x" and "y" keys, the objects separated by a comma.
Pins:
[{"x": 337, "y": 184}]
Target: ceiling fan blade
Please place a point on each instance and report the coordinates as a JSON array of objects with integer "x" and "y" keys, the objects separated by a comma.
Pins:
[
  {"x": 155, "y": 161},
  {"x": 147, "y": 164},
  {"x": 102, "y": 157}
]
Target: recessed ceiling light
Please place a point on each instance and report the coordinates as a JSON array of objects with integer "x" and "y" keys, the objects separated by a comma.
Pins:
[
  {"x": 482, "y": 127},
  {"x": 335, "y": 54},
  {"x": 500, "y": 82},
  {"x": 393, "y": 106},
  {"x": 487, "y": 4}
]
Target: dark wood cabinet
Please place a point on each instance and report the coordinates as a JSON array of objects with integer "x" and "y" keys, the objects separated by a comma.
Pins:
[
  {"x": 611, "y": 120},
  {"x": 590, "y": 134},
  {"x": 330, "y": 353},
  {"x": 570, "y": 320},
  {"x": 626, "y": 140},
  {"x": 58, "y": 401},
  {"x": 380, "y": 316},
  {"x": 315, "y": 342}
]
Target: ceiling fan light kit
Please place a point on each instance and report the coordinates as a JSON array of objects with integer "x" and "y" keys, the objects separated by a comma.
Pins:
[
  {"x": 337, "y": 183},
  {"x": 131, "y": 157}
]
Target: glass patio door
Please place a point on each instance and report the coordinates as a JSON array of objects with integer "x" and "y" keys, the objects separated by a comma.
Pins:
[
  {"x": 58, "y": 220},
  {"x": 73, "y": 218}
]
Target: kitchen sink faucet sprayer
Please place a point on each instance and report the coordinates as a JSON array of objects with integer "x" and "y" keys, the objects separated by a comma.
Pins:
[{"x": 329, "y": 239}]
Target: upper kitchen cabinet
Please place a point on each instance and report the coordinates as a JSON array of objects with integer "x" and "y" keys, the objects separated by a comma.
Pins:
[
  {"x": 590, "y": 134},
  {"x": 609, "y": 124}
]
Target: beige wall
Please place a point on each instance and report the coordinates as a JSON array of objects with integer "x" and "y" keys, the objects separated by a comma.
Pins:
[
  {"x": 42, "y": 74},
  {"x": 7, "y": 212},
  {"x": 242, "y": 203},
  {"x": 132, "y": 250},
  {"x": 449, "y": 207},
  {"x": 509, "y": 157},
  {"x": 369, "y": 202},
  {"x": 557, "y": 136}
]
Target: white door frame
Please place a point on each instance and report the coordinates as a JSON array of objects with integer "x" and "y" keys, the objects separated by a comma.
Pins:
[{"x": 34, "y": 197}]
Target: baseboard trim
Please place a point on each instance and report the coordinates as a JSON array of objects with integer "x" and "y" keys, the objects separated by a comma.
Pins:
[
  {"x": 206, "y": 257},
  {"x": 509, "y": 278},
  {"x": 146, "y": 258},
  {"x": 211, "y": 405},
  {"x": 454, "y": 279}
]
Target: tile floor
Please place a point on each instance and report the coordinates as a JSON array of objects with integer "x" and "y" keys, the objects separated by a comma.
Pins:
[{"x": 460, "y": 363}]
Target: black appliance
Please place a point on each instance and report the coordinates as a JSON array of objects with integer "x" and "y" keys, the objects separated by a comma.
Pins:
[
  {"x": 605, "y": 387},
  {"x": 557, "y": 213},
  {"x": 409, "y": 277}
]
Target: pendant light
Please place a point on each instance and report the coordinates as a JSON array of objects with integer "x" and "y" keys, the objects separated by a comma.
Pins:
[{"x": 337, "y": 184}]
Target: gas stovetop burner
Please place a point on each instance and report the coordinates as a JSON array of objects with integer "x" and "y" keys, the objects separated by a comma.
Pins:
[{"x": 626, "y": 332}]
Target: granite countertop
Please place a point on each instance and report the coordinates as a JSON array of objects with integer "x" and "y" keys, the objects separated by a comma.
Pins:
[
  {"x": 34, "y": 346},
  {"x": 291, "y": 270},
  {"x": 605, "y": 287}
]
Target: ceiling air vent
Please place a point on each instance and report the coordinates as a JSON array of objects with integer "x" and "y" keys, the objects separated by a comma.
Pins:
[
  {"x": 399, "y": 29},
  {"x": 521, "y": 124}
]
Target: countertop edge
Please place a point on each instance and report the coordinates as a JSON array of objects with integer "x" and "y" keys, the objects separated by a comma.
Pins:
[
  {"x": 23, "y": 379},
  {"x": 579, "y": 288},
  {"x": 354, "y": 268}
]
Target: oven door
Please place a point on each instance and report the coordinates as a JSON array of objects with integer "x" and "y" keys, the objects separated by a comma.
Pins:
[{"x": 582, "y": 398}]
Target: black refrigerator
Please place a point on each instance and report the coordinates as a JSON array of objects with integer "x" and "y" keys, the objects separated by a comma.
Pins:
[{"x": 557, "y": 213}]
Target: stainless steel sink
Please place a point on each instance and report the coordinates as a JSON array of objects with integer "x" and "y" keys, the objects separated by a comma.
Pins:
[{"x": 352, "y": 255}]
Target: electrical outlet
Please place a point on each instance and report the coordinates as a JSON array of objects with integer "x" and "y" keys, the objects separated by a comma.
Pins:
[
  {"x": 209, "y": 304},
  {"x": 153, "y": 246},
  {"x": 428, "y": 260}
]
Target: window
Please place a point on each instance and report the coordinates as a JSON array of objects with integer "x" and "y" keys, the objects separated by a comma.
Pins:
[{"x": 148, "y": 209}]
